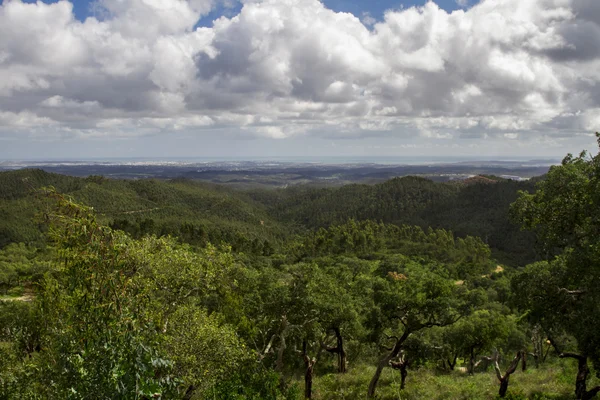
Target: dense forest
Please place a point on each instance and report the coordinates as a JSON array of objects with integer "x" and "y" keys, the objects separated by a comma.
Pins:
[{"x": 408, "y": 289}]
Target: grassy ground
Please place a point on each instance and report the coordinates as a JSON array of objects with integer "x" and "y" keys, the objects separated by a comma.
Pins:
[
  {"x": 18, "y": 293},
  {"x": 553, "y": 381}
]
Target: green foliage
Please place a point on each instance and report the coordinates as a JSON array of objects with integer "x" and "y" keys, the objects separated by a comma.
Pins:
[
  {"x": 21, "y": 265},
  {"x": 176, "y": 289},
  {"x": 413, "y": 297},
  {"x": 478, "y": 333},
  {"x": 197, "y": 213},
  {"x": 252, "y": 383},
  {"x": 477, "y": 209},
  {"x": 19, "y": 326},
  {"x": 463, "y": 257},
  {"x": 98, "y": 337},
  {"x": 112, "y": 322},
  {"x": 200, "y": 213},
  {"x": 204, "y": 351},
  {"x": 391, "y": 201},
  {"x": 565, "y": 214}
]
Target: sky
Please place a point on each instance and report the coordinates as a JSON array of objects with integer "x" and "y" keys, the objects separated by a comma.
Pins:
[{"x": 281, "y": 78}]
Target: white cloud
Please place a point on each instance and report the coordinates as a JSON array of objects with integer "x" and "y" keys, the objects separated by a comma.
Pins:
[
  {"x": 281, "y": 68},
  {"x": 143, "y": 18},
  {"x": 23, "y": 120},
  {"x": 367, "y": 19}
]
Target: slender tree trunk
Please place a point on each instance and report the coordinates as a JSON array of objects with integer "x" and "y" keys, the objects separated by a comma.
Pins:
[
  {"x": 524, "y": 361},
  {"x": 504, "y": 379},
  {"x": 285, "y": 326},
  {"x": 373, "y": 384},
  {"x": 384, "y": 362},
  {"x": 189, "y": 392},
  {"x": 402, "y": 366},
  {"x": 452, "y": 364},
  {"x": 545, "y": 355},
  {"x": 537, "y": 340},
  {"x": 403, "y": 375},
  {"x": 308, "y": 378},
  {"x": 308, "y": 373},
  {"x": 536, "y": 359},
  {"x": 472, "y": 361},
  {"x": 503, "y": 386},
  {"x": 339, "y": 350},
  {"x": 582, "y": 376},
  {"x": 583, "y": 371},
  {"x": 282, "y": 345}
]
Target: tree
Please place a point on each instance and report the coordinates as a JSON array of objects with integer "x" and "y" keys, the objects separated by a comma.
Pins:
[
  {"x": 504, "y": 379},
  {"x": 123, "y": 318},
  {"x": 339, "y": 291},
  {"x": 204, "y": 351},
  {"x": 416, "y": 351},
  {"x": 408, "y": 301},
  {"x": 99, "y": 338},
  {"x": 564, "y": 212},
  {"x": 476, "y": 333}
]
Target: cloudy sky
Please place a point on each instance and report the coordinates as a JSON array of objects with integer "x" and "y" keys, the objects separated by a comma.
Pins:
[{"x": 276, "y": 78}]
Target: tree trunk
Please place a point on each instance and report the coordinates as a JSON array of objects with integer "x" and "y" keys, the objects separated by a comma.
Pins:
[
  {"x": 503, "y": 386},
  {"x": 384, "y": 362},
  {"x": 403, "y": 375},
  {"x": 505, "y": 378},
  {"x": 583, "y": 371},
  {"x": 452, "y": 364},
  {"x": 308, "y": 385},
  {"x": 189, "y": 392},
  {"x": 339, "y": 350},
  {"x": 472, "y": 361},
  {"x": 542, "y": 344},
  {"x": 285, "y": 326},
  {"x": 524, "y": 361},
  {"x": 282, "y": 345},
  {"x": 308, "y": 378},
  {"x": 544, "y": 355},
  {"x": 342, "y": 353},
  {"x": 581, "y": 380},
  {"x": 308, "y": 373},
  {"x": 401, "y": 365},
  {"x": 535, "y": 359},
  {"x": 373, "y": 384}
]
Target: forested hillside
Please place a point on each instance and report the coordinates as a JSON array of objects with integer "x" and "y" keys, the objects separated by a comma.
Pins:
[
  {"x": 408, "y": 289},
  {"x": 197, "y": 213},
  {"x": 476, "y": 207}
]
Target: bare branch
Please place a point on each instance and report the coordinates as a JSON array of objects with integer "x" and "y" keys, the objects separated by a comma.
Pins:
[
  {"x": 497, "y": 367},
  {"x": 591, "y": 393},
  {"x": 482, "y": 359},
  {"x": 513, "y": 365},
  {"x": 269, "y": 345},
  {"x": 578, "y": 357},
  {"x": 554, "y": 344},
  {"x": 571, "y": 292}
]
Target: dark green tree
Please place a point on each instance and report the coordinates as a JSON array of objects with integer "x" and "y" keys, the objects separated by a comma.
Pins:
[
  {"x": 409, "y": 301},
  {"x": 562, "y": 294}
]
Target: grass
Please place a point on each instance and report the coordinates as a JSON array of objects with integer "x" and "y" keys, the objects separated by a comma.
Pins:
[
  {"x": 552, "y": 381},
  {"x": 17, "y": 293}
]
